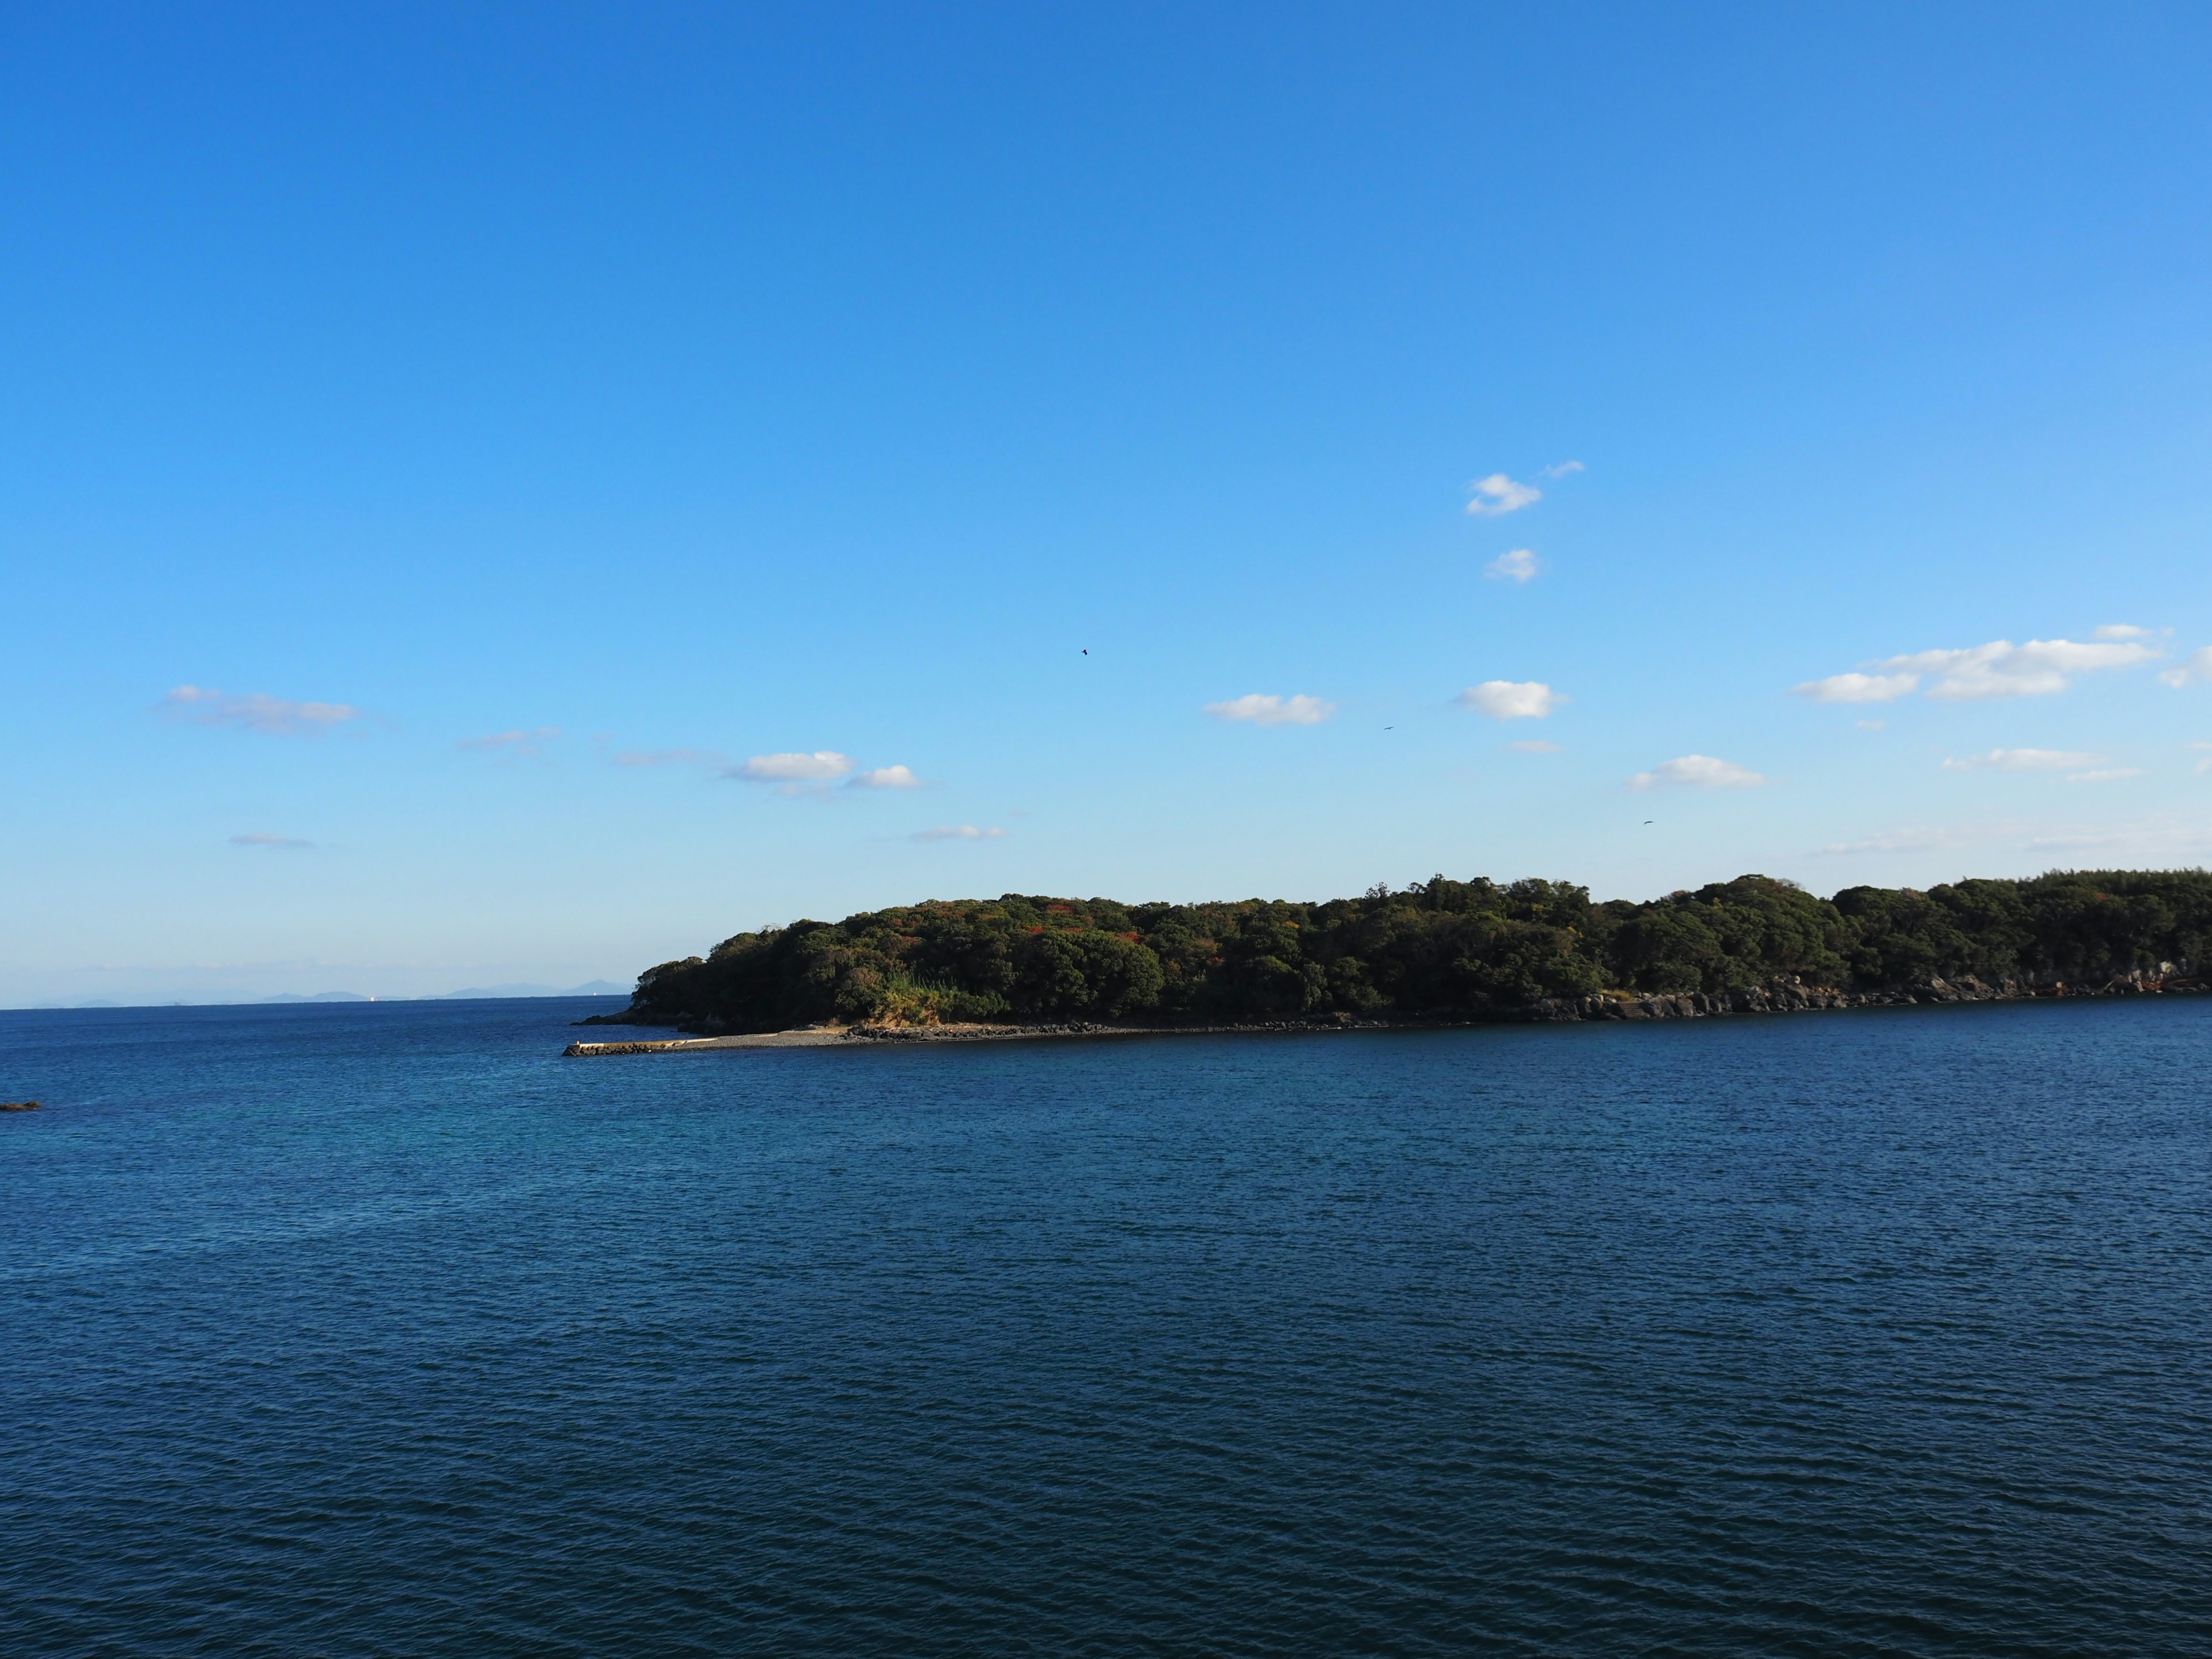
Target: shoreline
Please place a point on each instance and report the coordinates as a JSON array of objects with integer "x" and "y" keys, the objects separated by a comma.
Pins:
[{"x": 1697, "y": 1004}]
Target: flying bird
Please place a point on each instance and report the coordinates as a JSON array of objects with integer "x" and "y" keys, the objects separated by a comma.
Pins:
[{"x": 1648, "y": 822}]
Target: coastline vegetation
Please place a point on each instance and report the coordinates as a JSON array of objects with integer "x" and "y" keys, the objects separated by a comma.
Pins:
[{"x": 1436, "y": 950}]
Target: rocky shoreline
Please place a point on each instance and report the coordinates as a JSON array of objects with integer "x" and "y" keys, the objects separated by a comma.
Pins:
[{"x": 1783, "y": 997}]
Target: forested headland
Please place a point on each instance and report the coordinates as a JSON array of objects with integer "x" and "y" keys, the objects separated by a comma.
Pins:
[{"x": 1444, "y": 951}]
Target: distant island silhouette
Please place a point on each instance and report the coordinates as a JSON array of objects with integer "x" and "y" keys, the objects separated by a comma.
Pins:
[{"x": 1437, "y": 951}]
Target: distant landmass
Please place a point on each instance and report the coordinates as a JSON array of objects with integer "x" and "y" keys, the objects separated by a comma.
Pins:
[
  {"x": 598, "y": 988},
  {"x": 1444, "y": 949}
]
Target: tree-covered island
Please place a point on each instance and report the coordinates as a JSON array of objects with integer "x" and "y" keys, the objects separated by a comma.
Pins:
[{"x": 1442, "y": 950}]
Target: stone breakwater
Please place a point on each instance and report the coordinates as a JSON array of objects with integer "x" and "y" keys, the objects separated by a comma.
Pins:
[{"x": 1784, "y": 997}]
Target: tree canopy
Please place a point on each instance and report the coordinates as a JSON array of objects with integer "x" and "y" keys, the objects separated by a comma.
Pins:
[{"x": 1438, "y": 949}]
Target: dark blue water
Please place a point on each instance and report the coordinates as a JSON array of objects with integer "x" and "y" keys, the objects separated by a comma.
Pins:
[{"x": 382, "y": 1330}]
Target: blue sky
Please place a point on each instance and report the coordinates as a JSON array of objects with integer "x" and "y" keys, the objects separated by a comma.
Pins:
[{"x": 500, "y": 492}]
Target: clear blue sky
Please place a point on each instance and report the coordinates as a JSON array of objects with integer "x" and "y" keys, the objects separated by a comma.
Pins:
[{"x": 689, "y": 388}]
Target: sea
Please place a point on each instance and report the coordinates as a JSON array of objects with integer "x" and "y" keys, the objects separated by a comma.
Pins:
[{"x": 374, "y": 1329}]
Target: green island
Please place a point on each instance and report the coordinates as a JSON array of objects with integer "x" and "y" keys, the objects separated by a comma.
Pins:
[{"x": 1438, "y": 952}]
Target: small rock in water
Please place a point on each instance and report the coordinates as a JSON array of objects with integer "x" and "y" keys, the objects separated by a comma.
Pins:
[{"x": 18, "y": 1105}]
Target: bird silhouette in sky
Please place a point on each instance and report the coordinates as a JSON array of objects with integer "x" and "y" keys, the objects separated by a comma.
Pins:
[
  {"x": 1086, "y": 650},
  {"x": 1648, "y": 822}
]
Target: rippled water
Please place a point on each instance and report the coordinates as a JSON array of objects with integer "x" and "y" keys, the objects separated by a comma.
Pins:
[{"x": 382, "y": 1330}]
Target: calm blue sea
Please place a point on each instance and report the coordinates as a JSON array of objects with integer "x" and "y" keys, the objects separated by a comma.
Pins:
[{"x": 381, "y": 1329}]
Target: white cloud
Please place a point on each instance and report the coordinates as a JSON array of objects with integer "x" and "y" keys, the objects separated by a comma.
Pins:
[
  {"x": 257, "y": 712},
  {"x": 1697, "y": 772},
  {"x": 2024, "y": 760},
  {"x": 511, "y": 743},
  {"x": 1565, "y": 469},
  {"x": 958, "y": 832},
  {"x": 292, "y": 842},
  {"x": 2110, "y": 774},
  {"x": 1517, "y": 566},
  {"x": 1269, "y": 710},
  {"x": 2122, "y": 631},
  {"x": 886, "y": 777},
  {"x": 1498, "y": 495},
  {"x": 2002, "y": 669},
  {"x": 1870, "y": 725},
  {"x": 1999, "y": 669},
  {"x": 1536, "y": 746},
  {"x": 2204, "y": 765},
  {"x": 2195, "y": 670},
  {"x": 1858, "y": 688},
  {"x": 822, "y": 764},
  {"x": 1511, "y": 700}
]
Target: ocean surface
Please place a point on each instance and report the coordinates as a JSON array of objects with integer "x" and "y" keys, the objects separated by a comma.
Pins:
[{"x": 381, "y": 1329}]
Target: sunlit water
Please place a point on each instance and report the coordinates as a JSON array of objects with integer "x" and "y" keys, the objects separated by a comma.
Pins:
[{"x": 383, "y": 1330}]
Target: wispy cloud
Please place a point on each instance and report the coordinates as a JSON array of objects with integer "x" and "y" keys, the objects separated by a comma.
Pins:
[
  {"x": 1919, "y": 838},
  {"x": 957, "y": 832},
  {"x": 2195, "y": 669},
  {"x": 673, "y": 757},
  {"x": 254, "y": 712},
  {"x": 1697, "y": 772},
  {"x": 1536, "y": 746},
  {"x": 1270, "y": 710},
  {"x": 1870, "y": 725},
  {"x": 2024, "y": 760},
  {"x": 292, "y": 842},
  {"x": 2124, "y": 631},
  {"x": 1565, "y": 469},
  {"x": 1511, "y": 700},
  {"x": 511, "y": 743},
  {"x": 1999, "y": 669},
  {"x": 1518, "y": 566},
  {"x": 2108, "y": 775},
  {"x": 886, "y": 777},
  {"x": 1496, "y": 496},
  {"x": 2204, "y": 765},
  {"x": 819, "y": 767}
]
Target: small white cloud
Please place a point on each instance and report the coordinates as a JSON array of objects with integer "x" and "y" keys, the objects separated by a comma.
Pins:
[
  {"x": 1917, "y": 838},
  {"x": 1517, "y": 566},
  {"x": 958, "y": 832},
  {"x": 256, "y": 712},
  {"x": 291, "y": 841},
  {"x": 1536, "y": 746},
  {"x": 1498, "y": 495},
  {"x": 2195, "y": 670},
  {"x": 1697, "y": 772},
  {"x": 822, "y": 764},
  {"x": 2024, "y": 760},
  {"x": 1858, "y": 688},
  {"x": 1511, "y": 700},
  {"x": 886, "y": 777},
  {"x": 1871, "y": 726},
  {"x": 511, "y": 743},
  {"x": 2122, "y": 631},
  {"x": 2110, "y": 774},
  {"x": 1268, "y": 710},
  {"x": 1565, "y": 469},
  {"x": 2204, "y": 765}
]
